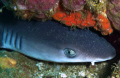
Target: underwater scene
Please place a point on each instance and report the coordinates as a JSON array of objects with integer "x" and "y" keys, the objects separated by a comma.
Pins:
[{"x": 59, "y": 39}]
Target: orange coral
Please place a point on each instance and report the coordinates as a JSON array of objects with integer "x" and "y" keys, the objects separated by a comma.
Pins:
[
  {"x": 103, "y": 25},
  {"x": 74, "y": 18},
  {"x": 83, "y": 19}
]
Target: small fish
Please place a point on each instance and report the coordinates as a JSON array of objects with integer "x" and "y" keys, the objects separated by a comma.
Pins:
[{"x": 52, "y": 41}]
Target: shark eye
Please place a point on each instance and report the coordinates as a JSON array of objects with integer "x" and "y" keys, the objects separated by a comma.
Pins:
[{"x": 69, "y": 52}]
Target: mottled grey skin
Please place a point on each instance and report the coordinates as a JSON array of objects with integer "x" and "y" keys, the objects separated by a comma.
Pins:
[{"x": 47, "y": 41}]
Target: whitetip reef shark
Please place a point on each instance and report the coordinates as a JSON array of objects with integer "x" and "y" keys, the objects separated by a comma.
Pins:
[{"x": 52, "y": 41}]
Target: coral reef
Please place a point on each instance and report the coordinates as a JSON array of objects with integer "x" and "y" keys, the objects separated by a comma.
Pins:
[
  {"x": 74, "y": 5},
  {"x": 114, "y": 13},
  {"x": 71, "y": 70},
  {"x": 33, "y": 8},
  {"x": 74, "y": 19},
  {"x": 84, "y": 19},
  {"x": 24, "y": 68},
  {"x": 6, "y": 62},
  {"x": 80, "y": 13},
  {"x": 97, "y": 6},
  {"x": 116, "y": 70},
  {"x": 103, "y": 25}
]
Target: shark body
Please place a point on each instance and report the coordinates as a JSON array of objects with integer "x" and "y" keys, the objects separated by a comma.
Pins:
[{"x": 52, "y": 41}]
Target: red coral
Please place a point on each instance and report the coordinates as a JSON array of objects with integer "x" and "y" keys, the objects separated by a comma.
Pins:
[
  {"x": 104, "y": 25},
  {"x": 79, "y": 17},
  {"x": 84, "y": 19},
  {"x": 74, "y": 18}
]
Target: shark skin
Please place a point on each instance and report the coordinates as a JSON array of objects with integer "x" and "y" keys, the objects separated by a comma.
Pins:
[{"x": 52, "y": 41}]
